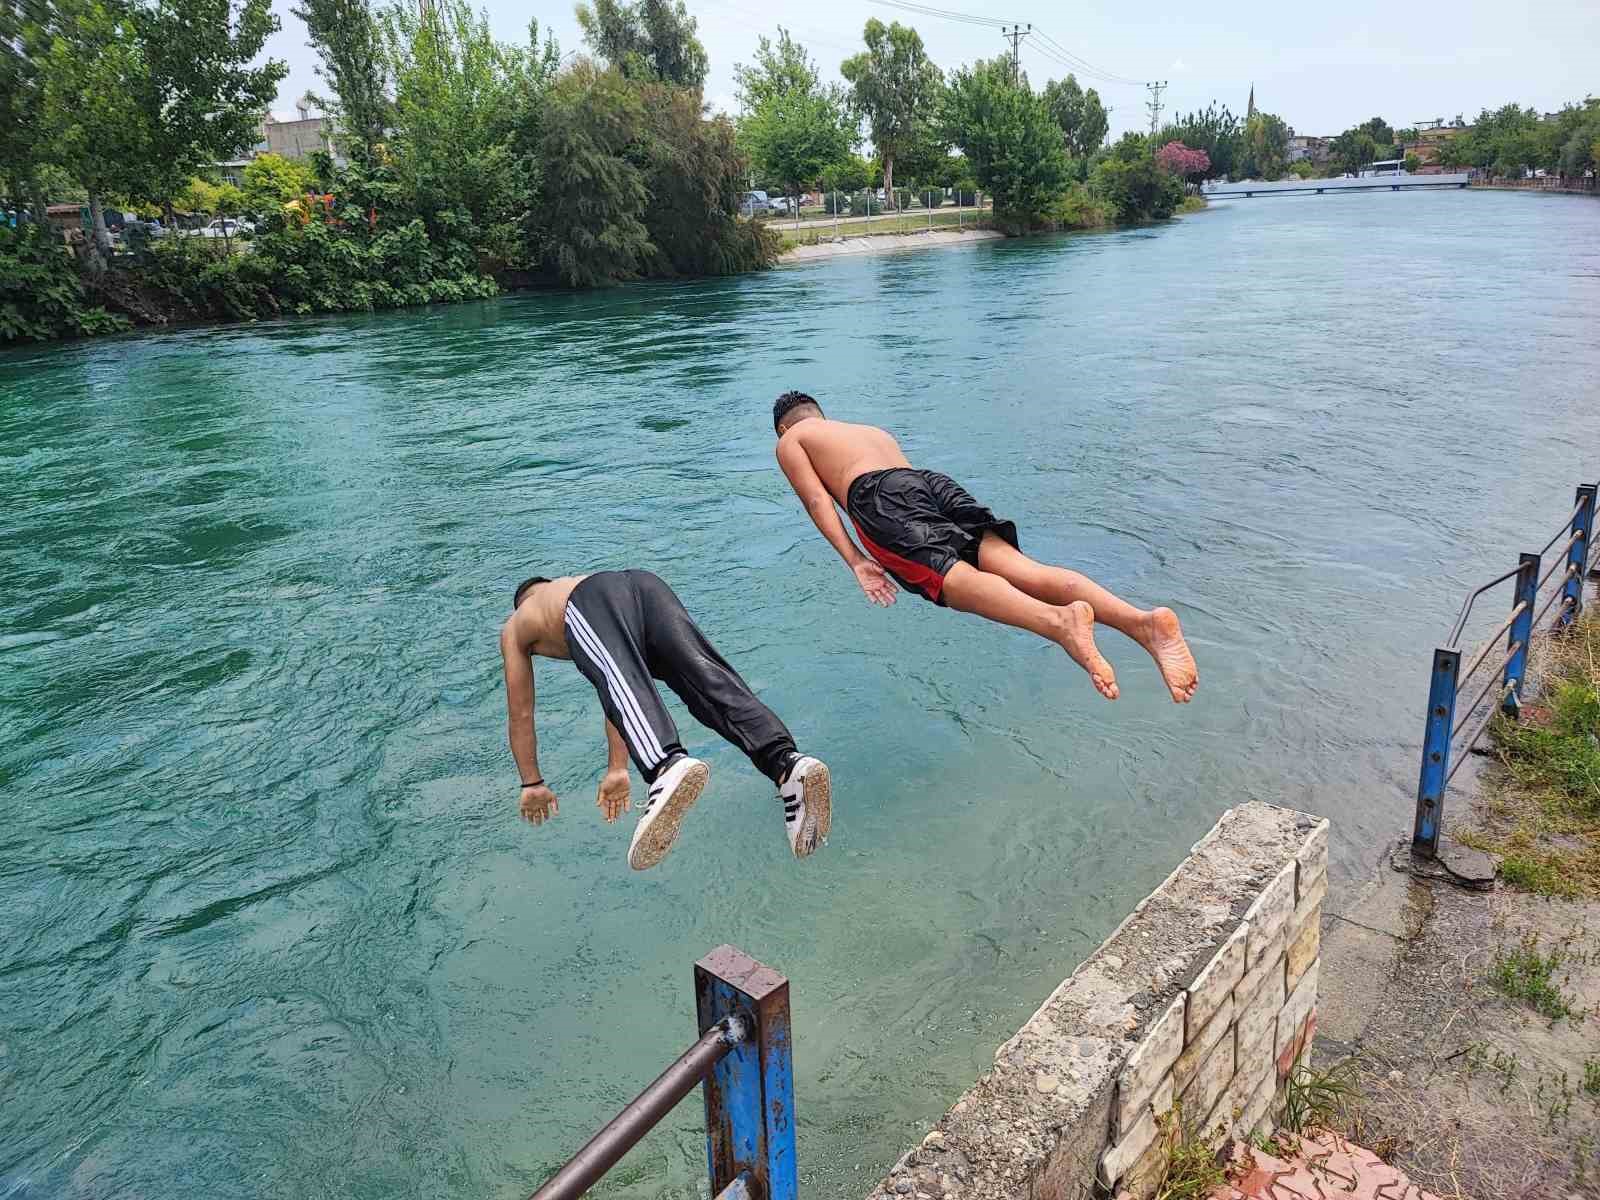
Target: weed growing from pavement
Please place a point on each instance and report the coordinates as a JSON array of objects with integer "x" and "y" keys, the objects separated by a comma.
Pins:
[
  {"x": 1317, "y": 1098},
  {"x": 1523, "y": 973},
  {"x": 1591, "y": 1077},
  {"x": 1192, "y": 1170}
]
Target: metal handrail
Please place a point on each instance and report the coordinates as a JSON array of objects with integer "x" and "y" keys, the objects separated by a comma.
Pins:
[
  {"x": 1473, "y": 707},
  {"x": 1555, "y": 595},
  {"x": 643, "y": 1112},
  {"x": 1508, "y": 689},
  {"x": 1567, "y": 524},
  {"x": 1489, "y": 645},
  {"x": 1559, "y": 559},
  {"x": 1461, "y": 619}
]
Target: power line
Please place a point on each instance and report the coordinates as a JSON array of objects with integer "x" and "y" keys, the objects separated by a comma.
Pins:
[
  {"x": 1047, "y": 46},
  {"x": 1014, "y": 35},
  {"x": 1154, "y": 104}
]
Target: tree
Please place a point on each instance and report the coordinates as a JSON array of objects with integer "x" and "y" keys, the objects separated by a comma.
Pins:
[
  {"x": 1352, "y": 150},
  {"x": 793, "y": 128},
  {"x": 1010, "y": 138},
  {"x": 458, "y": 95},
  {"x": 777, "y": 70},
  {"x": 895, "y": 88},
  {"x": 350, "y": 52},
  {"x": 94, "y": 62},
  {"x": 1214, "y": 130},
  {"x": 1265, "y": 147},
  {"x": 271, "y": 181},
  {"x": 1302, "y": 168},
  {"x": 647, "y": 40},
  {"x": 1406, "y": 137},
  {"x": 1188, "y": 165},
  {"x": 1083, "y": 119},
  {"x": 1412, "y": 164},
  {"x": 203, "y": 97},
  {"x": 593, "y": 207},
  {"x": 1378, "y": 130},
  {"x": 1138, "y": 189}
]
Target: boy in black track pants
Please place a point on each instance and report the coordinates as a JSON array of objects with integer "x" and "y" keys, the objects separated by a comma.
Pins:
[{"x": 622, "y": 630}]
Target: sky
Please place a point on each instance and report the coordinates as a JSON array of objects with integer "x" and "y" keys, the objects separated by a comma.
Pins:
[{"x": 1321, "y": 67}]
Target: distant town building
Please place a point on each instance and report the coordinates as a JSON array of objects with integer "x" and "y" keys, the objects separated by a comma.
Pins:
[
  {"x": 302, "y": 137},
  {"x": 1430, "y": 136},
  {"x": 1308, "y": 147},
  {"x": 1250, "y": 109}
]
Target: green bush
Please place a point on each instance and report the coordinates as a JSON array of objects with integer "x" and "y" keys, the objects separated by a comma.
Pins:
[
  {"x": 1079, "y": 208},
  {"x": 835, "y": 202},
  {"x": 1139, "y": 190},
  {"x": 931, "y": 197},
  {"x": 865, "y": 204},
  {"x": 902, "y": 198},
  {"x": 41, "y": 294}
]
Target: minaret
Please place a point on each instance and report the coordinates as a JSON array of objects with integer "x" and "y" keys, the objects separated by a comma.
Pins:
[{"x": 1251, "y": 111}]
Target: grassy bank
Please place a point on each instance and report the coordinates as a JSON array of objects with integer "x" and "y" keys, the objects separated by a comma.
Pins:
[{"x": 1540, "y": 809}]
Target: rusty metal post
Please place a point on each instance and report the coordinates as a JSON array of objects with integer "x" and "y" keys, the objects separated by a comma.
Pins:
[{"x": 750, "y": 1095}]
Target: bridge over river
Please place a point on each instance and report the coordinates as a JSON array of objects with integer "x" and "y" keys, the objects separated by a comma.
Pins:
[{"x": 1371, "y": 183}]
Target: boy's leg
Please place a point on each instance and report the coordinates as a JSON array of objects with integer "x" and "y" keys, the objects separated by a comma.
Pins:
[
  {"x": 606, "y": 636},
  {"x": 1070, "y": 626},
  {"x": 1157, "y": 629},
  {"x": 681, "y": 657}
]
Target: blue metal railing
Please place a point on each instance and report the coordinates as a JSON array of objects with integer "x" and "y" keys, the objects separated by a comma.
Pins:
[
  {"x": 1441, "y": 730},
  {"x": 744, "y": 1060}
]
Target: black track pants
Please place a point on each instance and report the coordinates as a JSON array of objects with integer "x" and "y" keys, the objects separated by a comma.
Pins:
[{"x": 625, "y": 628}]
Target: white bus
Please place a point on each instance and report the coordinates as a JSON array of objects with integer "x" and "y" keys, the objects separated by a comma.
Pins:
[{"x": 1389, "y": 166}]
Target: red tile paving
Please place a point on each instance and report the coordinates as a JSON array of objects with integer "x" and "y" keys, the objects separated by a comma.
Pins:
[{"x": 1326, "y": 1166}]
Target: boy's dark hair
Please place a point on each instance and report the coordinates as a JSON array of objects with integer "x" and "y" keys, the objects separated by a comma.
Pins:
[
  {"x": 523, "y": 587},
  {"x": 787, "y": 403}
]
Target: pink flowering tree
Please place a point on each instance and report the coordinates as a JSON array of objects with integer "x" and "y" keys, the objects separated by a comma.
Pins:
[{"x": 1188, "y": 165}]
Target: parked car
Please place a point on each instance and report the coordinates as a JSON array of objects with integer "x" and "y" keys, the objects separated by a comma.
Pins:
[
  {"x": 781, "y": 204},
  {"x": 759, "y": 204},
  {"x": 227, "y": 227}
]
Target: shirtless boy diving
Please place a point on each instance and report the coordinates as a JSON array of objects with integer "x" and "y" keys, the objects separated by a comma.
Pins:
[
  {"x": 621, "y": 629},
  {"x": 926, "y": 532}
]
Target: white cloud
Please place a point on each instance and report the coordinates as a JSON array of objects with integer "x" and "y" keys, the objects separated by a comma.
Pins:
[{"x": 1179, "y": 67}]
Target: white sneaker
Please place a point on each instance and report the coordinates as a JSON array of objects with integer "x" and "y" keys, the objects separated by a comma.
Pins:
[
  {"x": 671, "y": 796},
  {"x": 807, "y": 795}
]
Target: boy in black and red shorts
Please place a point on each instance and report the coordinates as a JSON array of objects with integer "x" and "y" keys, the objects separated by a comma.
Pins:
[{"x": 923, "y": 529}]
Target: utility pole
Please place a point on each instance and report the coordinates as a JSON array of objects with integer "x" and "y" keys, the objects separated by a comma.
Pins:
[
  {"x": 1014, "y": 34},
  {"x": 1154, "y": 104}
]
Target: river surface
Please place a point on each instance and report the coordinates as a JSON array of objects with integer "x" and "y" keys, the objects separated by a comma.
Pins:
[{"x": 269, "y": 923}]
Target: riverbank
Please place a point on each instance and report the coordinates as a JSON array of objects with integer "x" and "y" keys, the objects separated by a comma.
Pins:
[
  {"x": 1466, "y": 1016},
  {"x": 880, "y": 243}
]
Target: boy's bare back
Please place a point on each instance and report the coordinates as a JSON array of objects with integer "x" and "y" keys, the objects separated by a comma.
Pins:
[{"x": 840, "y": 451}]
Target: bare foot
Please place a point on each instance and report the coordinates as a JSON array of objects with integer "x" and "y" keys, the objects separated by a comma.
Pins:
[
  {"x": 1164, "y": 639},
  {"x": 1077, "y": 639}
]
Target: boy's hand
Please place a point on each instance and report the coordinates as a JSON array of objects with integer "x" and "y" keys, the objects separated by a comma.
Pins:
[
  {"x": 614, "y": 798},
  {"x": 538, "y": 804},
  {"x": 875, "y": 582}
]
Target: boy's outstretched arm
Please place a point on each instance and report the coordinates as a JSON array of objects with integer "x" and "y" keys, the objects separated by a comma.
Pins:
[
  {"x": 802, "y": 476},
  {"x": 537, "y": 802},
  {"x": 614, "y": 798}
]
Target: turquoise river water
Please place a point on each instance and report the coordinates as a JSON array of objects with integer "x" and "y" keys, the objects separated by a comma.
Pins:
[{"x": 269, "y": 923}]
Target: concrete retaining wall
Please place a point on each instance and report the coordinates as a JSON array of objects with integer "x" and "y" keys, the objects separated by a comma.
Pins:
[{"x": 1193, "y": 1011}]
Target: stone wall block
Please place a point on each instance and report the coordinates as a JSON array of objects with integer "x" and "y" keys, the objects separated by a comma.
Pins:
[
  {"x": 1216, "y": 982},
  {"x": 1268, "y": 967},
  {"x": 1312, "y": 858},
  {"x": 1211, "y": 1080},
  {"x": 1183, "y": 1071},
  {"x": 1122, "y": 1155},
  {"x": 1258, "y": 1022},
  {"x": 1149, "y": 1064},
  {"x": 1272, "y": 909},
  {"x": 1304, "y": 949}
]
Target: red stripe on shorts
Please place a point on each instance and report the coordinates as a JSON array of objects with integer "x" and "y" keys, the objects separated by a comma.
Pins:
[{"x": 925, "y": 579}]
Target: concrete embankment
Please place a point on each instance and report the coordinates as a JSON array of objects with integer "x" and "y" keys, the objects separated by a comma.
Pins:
[
  {"x": 880, "y": 243},
  {"x": 1199, "y": 1003}
]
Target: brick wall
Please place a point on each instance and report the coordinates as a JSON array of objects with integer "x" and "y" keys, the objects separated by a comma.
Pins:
[{"x": 1193, "y": 1010}]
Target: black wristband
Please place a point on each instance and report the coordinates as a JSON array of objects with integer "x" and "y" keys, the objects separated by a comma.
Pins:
[{"x": 535, "y": 783}]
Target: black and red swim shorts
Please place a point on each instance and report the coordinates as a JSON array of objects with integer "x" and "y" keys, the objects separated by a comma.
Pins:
[{"x": 919, "y": 524}]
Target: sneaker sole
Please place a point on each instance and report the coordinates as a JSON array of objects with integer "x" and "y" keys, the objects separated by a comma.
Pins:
[
  {"x": 663, "y": 831},
  {"x": 818, "y": 796}
]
